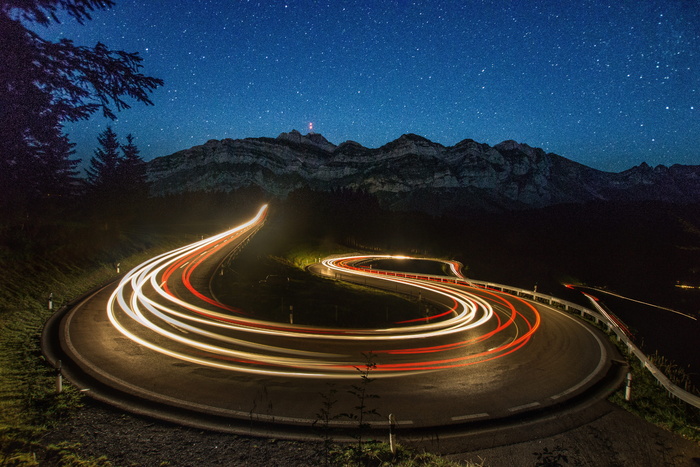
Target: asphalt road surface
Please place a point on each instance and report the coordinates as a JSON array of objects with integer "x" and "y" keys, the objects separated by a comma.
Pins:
[{"x": 160, "y": 342}]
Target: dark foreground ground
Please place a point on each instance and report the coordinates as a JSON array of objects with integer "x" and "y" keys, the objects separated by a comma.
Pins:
[
  {"x": 617, "y": 438},
  {"x": 614, "y": 438}
]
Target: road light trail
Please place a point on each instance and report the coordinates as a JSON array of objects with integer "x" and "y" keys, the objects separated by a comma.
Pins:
[
  {"x": 634, "y": 300},
  {"x": 476, "y": 325}
]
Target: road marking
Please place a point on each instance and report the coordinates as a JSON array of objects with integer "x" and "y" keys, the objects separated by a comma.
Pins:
[
  {"x": 601, "y": 363},
  {"x": 525, "y": 406},
  {"x": 470, "y": 417}
]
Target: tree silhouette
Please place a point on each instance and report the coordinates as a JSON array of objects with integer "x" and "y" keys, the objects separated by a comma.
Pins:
[
  {"x": 103, "y": 172},
  {"x": 133, "y": 170},
  {"x": 44, "y": 83},
  {"x": 103, "y": 180},
  {"x": 116, "y": 177}
]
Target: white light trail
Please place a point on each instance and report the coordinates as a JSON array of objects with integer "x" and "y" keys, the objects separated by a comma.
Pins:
[{"x": 203, "y": 331}]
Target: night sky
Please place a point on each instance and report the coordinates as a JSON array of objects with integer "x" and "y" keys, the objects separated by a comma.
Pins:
[{"x": 609, "y": 84}]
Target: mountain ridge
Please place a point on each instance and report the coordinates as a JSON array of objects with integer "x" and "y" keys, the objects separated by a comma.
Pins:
[{"x": 411, "y": 168}]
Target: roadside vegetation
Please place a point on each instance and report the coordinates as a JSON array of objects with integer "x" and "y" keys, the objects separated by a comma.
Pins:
[
  {"x": 650, "y": 401},
  {"x": 377, "y": 454},
  {"x": 271, "y": 288},
  {"x": 29, "y": 404},
  {"x": 269, "y": 280}
]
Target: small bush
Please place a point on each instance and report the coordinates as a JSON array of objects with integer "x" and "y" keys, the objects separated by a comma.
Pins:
[{"x": 377, "y": 454}]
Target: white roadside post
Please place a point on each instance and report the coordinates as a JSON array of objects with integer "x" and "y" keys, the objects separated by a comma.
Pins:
[
  {"x": 51, "y": 301},
  {"x": 628, "y": 387},
  {"x": 291, "y": 314},
  {"x": 392, "y": 435},
  {"x": 59, "y": 378}
]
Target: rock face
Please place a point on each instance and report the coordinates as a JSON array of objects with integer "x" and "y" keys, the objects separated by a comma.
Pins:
[{"x": 415, "y": 173}]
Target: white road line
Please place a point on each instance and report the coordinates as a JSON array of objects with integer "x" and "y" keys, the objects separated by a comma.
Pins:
[
  {"x": 470, "y": 417},
  {"x": 523, "y": 407}
]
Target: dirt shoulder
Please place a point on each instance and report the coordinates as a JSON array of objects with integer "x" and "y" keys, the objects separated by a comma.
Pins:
[
  {"x": 131, "y": 440},
  {"x": 614, "y": 438}
]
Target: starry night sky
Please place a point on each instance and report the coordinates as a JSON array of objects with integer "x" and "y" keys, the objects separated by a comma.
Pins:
[{"x": 605, "y": 83}]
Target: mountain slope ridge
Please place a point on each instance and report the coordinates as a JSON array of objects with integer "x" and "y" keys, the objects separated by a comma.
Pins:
[{"x": 509, "y": 175}]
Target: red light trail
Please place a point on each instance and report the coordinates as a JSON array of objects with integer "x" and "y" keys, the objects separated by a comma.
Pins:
[{"x": 160, "y": 308}]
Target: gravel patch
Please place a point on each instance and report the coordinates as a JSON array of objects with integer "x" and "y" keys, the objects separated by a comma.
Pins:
[
  {"x": 617, "y": 438},
  {"x": 130, "y": 440}
]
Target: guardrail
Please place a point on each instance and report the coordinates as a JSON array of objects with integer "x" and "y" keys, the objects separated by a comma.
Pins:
[{"x": 599, "y": 317}]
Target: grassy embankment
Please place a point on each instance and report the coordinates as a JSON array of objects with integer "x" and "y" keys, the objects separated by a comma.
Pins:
[
  {"x": 267, "y": 285},
  {"x": 29, "y": 404},
  {"x": 650, "y": 401}
]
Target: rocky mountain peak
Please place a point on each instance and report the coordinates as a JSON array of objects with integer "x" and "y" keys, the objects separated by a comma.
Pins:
[
  {"x": 510, "y": 145},
  {"x": 415, "y": 138},
  {"x": 313, "y": 139},
  {"x": 411, "y": 143},
  {"x": 645, "y": 168}
]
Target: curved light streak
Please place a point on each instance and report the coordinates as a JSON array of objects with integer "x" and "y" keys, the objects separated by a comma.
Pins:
[{"x": 196, "y": 328}]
